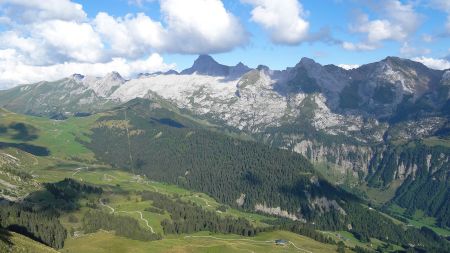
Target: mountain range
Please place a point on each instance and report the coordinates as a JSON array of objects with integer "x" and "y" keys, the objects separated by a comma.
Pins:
[
  {"x": 311, "y": 148},
  {"x": 384, "y": 125}
]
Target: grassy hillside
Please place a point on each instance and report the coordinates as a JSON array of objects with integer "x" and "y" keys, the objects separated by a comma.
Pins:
[
  {"x": 122, "y": 189},
  {"x": 11, "y": 242}
]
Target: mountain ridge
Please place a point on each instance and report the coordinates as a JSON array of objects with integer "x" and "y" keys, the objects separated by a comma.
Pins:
[{"x": 337, "y": 118}]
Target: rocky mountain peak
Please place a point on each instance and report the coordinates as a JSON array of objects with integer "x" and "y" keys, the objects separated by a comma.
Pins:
[
  {"x": 305, "y": 61},
  {"x": 104, "y": 86},
  {"x": 238, "y": 71},
  {"x": 206, "y": 65},
  {"x": 113, "y": 76}
]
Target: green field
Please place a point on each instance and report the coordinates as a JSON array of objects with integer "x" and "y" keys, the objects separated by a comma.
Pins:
[{"x": 200, "y": 242}]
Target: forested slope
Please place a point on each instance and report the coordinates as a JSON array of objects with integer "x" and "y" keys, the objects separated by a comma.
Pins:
[{"x": 145, "y": 138}]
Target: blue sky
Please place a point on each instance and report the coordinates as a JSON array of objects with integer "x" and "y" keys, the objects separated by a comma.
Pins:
[
  {"x": 49, "y": 39},
  {"x": 335, "y": 15}
]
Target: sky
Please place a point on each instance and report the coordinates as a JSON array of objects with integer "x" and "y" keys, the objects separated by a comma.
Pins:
[{"x": 52, "y": 39}]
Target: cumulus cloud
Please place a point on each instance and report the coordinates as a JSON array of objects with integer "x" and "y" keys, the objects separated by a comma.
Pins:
[
  {"x": 13, "y": 71},
  {"x": 200, "y": 26},
  {"x": 54, "y": 41},
  {"x": 433, "y": 63},
  {"x": 191, "y": 27},
  {"x": 69, "y": 40},
  {"x": 284, "y": 20},
  {"x": 30, "y": 11},
  {"x": 397, "y": 22},
  {"x": 130, "y": 36},
  {"x": 44, "y": 40}
]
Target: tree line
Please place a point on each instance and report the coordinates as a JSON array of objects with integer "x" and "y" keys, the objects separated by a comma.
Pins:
[{"x": 188, "y": 217}]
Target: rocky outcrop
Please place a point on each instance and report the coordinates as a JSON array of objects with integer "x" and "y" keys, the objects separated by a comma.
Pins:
[
  {"x": 344, "y": 157},
  {"x": 277, "y": 211}
]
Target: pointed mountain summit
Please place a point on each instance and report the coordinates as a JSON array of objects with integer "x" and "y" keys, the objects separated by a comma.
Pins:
[
  {"x": 238, "y": 71},
  {"x": 206, "y": 65},
  {"x": 114, "y": 77}
]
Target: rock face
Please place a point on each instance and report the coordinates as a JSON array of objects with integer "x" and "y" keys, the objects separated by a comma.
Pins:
[
  {"x": 343, "y": 118},
  {"x": 103, "y": 87},
  {"x": 277, "y": 211}
]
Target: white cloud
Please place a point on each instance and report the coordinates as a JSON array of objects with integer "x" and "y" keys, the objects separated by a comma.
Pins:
[
  {"x": 30, "y": 11},
  {"x": 70, "y": 40},
  {"x": 397, "y": 22},
  {"x": 349, "y": 66},
  {"x": 200, "y": 26},
  {"x": 54, "y": 41},
  {"x": 433, "y": 63},
  {"x": 378, "y": 30},
  {"x": 192, "y": 27},
  {"x": 29, "y": 50},
  {"x": 284, "y": 20},
  {"x": 13, "y": 71},
  {"x": 46, "y": 40},
  {"x": 63, "y": 30},
  {"x": 130, "y": 36}
]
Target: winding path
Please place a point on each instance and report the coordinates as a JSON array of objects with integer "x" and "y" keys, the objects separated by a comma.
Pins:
[
  {"x": 139, "y": 212},
  {"x": 142, "y": 218}
]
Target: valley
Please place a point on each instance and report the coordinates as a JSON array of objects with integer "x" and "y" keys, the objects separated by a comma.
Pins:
[
  {"x": 223, "y": 126},
  {"x": 150, "y": 169}
]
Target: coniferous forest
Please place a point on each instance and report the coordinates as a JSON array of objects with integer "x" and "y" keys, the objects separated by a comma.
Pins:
[
  {"x": 244, "y": 174},
  {"x": 39, "y": 225},
  {"x": 189, "y": 218}
]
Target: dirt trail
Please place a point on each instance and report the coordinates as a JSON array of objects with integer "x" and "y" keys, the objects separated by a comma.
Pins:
[{"x": 139, "y": 212}]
